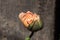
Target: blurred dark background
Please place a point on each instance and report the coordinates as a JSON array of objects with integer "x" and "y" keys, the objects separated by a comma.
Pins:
[
  {"x": 57, "y": 25},
  {"x": 12, "y": 29}
]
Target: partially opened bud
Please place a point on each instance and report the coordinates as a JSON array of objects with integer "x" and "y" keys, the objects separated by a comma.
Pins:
[{"x": 32, "y": 21}]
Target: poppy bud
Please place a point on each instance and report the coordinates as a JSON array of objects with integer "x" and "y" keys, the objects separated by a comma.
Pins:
[{"x": 32, "y": 21}]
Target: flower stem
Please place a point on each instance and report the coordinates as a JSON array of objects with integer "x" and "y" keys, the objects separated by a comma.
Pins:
[
  {"x": 28, "y": 38},
  {"x": 31, "y": 34}
]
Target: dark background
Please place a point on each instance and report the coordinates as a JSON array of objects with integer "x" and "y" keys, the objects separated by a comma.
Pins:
[
  {"x": 57, "y": 22},
  {"x": 12, "y": 29}
]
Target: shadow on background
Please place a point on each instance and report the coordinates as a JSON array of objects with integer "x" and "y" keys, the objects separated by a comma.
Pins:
[{"x": 57, "y": 21}]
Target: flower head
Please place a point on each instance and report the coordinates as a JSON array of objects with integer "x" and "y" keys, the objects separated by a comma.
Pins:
[{"x": 29, "y": 18}]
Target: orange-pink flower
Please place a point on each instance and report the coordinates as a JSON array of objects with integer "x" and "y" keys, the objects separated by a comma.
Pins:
[{"x": 28, "y": 17}]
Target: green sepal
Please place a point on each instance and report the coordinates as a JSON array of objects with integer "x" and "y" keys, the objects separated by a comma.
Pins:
[
  {"x": 31, "y": 26},
  {"x": 36, "y": 25}
]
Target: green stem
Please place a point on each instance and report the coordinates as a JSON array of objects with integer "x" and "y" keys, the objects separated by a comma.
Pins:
[{"x": 28, "y": 38}]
